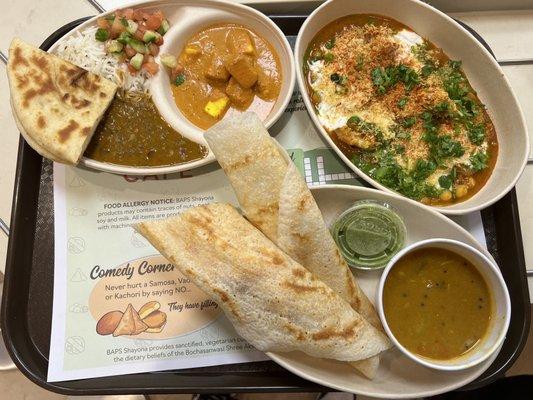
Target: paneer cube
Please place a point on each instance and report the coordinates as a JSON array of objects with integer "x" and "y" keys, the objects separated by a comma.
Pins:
[
  {"x": 239, "y": 96},
  {"x": 217, "y": 70},
  {"x": 240, "y": 42},
  {"x": 217, "y": 106},
  {"x": 242, "y": 68},
  {"x": 267, "y": 86}
]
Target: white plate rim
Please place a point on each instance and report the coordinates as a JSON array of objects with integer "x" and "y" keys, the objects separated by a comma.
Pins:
[{"x": 369, "y": 192}]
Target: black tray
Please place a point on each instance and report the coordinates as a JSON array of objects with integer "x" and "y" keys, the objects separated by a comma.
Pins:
[{"x": 27, "y": 301}]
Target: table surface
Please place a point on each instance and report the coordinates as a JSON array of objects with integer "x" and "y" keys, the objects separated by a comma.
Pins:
[{"x": 508, "y": 32}]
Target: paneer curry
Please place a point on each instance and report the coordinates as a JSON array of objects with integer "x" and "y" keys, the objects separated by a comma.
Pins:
[
  {"x": 222, "y": 70},
  {"x": 400, "y": 109}
]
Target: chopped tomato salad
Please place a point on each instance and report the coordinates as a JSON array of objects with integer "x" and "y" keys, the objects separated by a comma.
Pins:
[{"x": 134, "y": 36}]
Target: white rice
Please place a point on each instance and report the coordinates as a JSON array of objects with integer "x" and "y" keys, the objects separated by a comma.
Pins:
[{"x": 83, "y": 50}]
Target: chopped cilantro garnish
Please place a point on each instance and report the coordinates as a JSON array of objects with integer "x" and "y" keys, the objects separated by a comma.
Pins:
[
  {"x": 427, "y": 70},
  {"x": 440, "y": 146},
  {"x": 330, "y": 43},
  {"x": 399, "y": 132},
  {"x": 430, "y": 126},
  {"x": 455, "y": 64},
  {"x": 358, "y": 124},
  {"x": 467, "y": 107},
  {"x": 381, "y": 79},
  {"x": 445, "y": 181},
  {"x": 449, "y": 147},
  {"x": 476, "y": 134},
  {"x": 329, "y": 57},
  {"x": 408, "y": 76},
  {"x": 402, "y": 102},
  {"x": 423, "y": 169},
  {"x": 445, "y": 147},
  {"x": 101, "y": 35},
  {"x": 479, "y": 161},
  {"x": 408, "y": 122},
  {"x": 442, "y": 108},
  {"x": 458, "y": 90},
  {"x": 386, "y": 78},
  {"x": 382, "y": 166},
  {"x": 421, "y": 53},
  {"x": 179, "y": 80}
]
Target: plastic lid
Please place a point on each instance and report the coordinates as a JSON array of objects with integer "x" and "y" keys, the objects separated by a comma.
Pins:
[{"x": 369, "y": 234}]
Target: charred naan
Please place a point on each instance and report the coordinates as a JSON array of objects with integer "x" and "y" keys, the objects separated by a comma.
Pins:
[
  {"x": 272, "y": 301},
  {"x": 56, "y": 104},
  {"x": 275, "y": 198}
]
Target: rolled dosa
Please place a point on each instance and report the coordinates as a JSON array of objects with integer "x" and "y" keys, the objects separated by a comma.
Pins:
[
  {"x": 275, "y": 198},
  {"x": 271, "y": 300}
]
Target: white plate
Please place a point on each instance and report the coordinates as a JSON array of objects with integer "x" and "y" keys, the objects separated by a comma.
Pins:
[
  {"x": 483, "y": 72},
  {"x": 398, "y": 376},
  {"x": 187, "y": 18}
]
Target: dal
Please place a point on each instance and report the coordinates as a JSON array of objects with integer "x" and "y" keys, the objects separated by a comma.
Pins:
[
  {"x": 133, "y": 133},
  {"x": 436, "y": 303}
]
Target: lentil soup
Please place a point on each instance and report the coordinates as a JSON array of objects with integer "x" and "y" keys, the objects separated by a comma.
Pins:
[{"x": 436, "y": 303}]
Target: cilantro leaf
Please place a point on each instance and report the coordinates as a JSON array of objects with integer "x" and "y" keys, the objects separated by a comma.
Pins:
[
  {"x": 408, "y": 122},
  {"x": 402, "y": 102},
  {"x": 358, "y": 124},
  {"x": 445, "y": 181},
  {"x": 386, "y": 78},
  {"x": 423, "y": 169},
  {"x": 330, "y": 43},
  {"x": 476, "y": 134},
  {"x": 479, "y": 161}
]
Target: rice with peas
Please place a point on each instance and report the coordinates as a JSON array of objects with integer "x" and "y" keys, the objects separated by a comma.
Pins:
[{"x": 83, "y": 50}]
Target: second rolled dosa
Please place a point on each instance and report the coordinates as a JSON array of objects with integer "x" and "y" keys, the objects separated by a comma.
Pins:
[
  {"x": 271, "y": 300},
  {"x": 275, "y": 198}
]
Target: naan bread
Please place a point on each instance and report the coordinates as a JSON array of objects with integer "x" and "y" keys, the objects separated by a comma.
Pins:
[
  {"x": 56, "y": 104},
  {"x": 271, "y": 300},
  {"x": 275, "y": 198}
]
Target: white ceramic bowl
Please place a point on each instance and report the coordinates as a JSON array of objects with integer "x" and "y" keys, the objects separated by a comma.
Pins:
[
  {"x": 194, "y": 19},
  {"x": 482, "y": 70},
  {"x": 501, "y": 305},
  {"x": 186, "y": 18}
]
